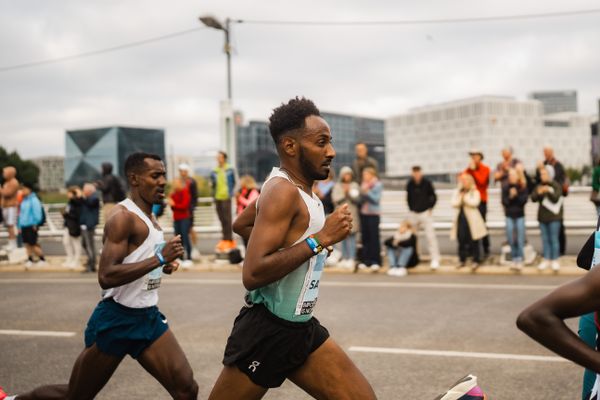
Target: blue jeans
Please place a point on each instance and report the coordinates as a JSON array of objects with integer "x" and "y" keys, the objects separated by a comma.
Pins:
[
  {"x": 349, "y": 247},
  {"x": 516, "y": 243},
  {"x": 399, "y": 257},
  {"x": 182, "y": 227},
  {"x": 551, "y": 246}
]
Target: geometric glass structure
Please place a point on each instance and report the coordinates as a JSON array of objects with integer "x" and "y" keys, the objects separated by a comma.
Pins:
[{"x": 87, "y": 149}]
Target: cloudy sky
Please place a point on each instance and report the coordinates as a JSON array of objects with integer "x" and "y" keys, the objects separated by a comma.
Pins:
[{"x": 177, "y": 84}]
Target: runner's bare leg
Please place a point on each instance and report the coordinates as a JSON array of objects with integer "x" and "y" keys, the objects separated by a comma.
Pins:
[{"x": 233, "y": 384}]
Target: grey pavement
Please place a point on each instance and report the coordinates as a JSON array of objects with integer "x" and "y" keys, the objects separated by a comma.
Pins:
[{"x": 441, "y": 312}]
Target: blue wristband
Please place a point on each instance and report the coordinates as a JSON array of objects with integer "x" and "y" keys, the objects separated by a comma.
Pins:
[
  {"x": 161, "y": 259},
  {"x": 314, "y": 244}
]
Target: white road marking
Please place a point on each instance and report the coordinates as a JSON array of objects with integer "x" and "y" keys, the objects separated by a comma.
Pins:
[
  {"x": 463, "y": 354},
  {"x": 15, "y": 332},
  {"x": 377, "y": 284}
]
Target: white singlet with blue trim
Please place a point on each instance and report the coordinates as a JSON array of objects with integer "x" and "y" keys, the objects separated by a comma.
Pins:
[{"x": 143, "y": 291}]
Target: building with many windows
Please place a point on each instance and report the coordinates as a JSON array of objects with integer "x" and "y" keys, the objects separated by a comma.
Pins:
[
  {"x": 87, "y": 149},
  {"x": 557, "y": 101},
  {"x": 438, "y": 137},
  {"x": 52, "y": 173},
  {"x": 257, "y": 155}
]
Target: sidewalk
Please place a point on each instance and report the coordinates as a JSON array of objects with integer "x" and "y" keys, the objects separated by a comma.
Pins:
[{"x": 448, "y": 267}]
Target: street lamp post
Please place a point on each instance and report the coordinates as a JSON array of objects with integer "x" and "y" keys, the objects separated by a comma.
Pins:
[{"x": 228, "y": 138}]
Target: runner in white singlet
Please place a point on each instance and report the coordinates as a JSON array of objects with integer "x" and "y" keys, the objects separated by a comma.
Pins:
[{"x": 127, "y": 320}]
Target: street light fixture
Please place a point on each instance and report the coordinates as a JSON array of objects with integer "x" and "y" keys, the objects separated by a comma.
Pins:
[{"x": 214, "y": 23}]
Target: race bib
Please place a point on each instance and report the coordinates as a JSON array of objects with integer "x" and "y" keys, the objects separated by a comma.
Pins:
[
  {"x": 310, "y": 289},
  {"x": 153, "y": 278},
  {"x": 596, "y": 256}
]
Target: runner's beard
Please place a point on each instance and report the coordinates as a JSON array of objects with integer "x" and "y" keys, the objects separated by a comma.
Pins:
[{"x": 309, "y": 169}]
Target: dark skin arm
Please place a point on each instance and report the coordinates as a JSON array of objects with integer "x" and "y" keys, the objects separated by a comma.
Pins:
[
  {"x": 276, "y": 226},
  {"x": 543, "y": 321},
  {"x": 244, "y": 223},
  {"x": 123, "y": 233}
]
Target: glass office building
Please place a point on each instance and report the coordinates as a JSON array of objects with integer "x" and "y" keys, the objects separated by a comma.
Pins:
[
  {"x": 87, "y": 149},
  {"x": 257, "y": 155}
]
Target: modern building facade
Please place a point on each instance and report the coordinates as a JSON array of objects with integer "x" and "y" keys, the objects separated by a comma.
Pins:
[
  {"x": 557, "y": 101},
  {"x": 52, "y": 173},
  {"x": 87, "y": 149},
  {"x": 257, "y": 155},
  {"x": 438, "y": 137}
]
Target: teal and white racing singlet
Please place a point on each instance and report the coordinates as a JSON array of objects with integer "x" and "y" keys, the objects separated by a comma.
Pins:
[{"x": 294, "y": 296}]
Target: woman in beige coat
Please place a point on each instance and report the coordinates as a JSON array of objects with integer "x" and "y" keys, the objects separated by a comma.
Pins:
[
  {"x": 347, "y": 191},
  {"x": 468, "y": 226}
]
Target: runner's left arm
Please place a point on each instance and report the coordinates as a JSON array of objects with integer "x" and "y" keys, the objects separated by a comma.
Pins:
[
  {"x": 244, "y": 223},
  {"x": 544, "y": 322}
]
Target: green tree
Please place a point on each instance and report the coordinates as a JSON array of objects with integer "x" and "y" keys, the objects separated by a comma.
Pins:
[{"x": 27, "y": 171}]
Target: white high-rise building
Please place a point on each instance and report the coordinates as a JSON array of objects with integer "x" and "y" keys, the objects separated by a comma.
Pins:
[{"x": 438, "y": 137}]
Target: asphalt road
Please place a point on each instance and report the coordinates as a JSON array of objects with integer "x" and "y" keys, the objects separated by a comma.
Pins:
[{"x": 464, "y": 314}]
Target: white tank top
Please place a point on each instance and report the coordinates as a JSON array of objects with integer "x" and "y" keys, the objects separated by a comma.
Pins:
[{"x": 143, "y": 291}]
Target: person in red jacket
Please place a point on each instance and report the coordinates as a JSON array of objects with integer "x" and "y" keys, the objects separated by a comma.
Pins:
[
  {"x": 481, "y": 173},
  {"x": 180, "y": 200}
]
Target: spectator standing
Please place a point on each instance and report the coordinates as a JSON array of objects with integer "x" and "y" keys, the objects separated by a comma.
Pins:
[
  {"x": 10, "y": 204},
  {"x": 421, "y": 198},
  {"x": 371, "y": 190},
  {"x": 560, "y": 176},
  {"x": 469, "y": 225},
  {"x": 481, "y": 175},
  {"x": 247, "y": 194},
  {"x": 222, "y": 180},
  {"x": 402, "y": 250},
  {"x": 323, "y": 191},
  {"x": 30, "y": 218},
  {"x": 549, "y": 194},
  {"x": 72, "y": 231},
  {"x": 514, "y": 198},
  {"x": 112, "y": 189},
  {"x": 90, "y": 215},
  {"x": 346, "y": 191},
  {"x": 363, "y": 161},
  {"x": 595, "y": 197},
  {"x": 192, "y": 187},
  {"x": 179, "y": 200},
  {"x": 508, "y": 162}
]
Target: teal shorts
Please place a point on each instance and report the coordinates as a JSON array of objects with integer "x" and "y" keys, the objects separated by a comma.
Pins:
[{"x": 119, "y": 330}]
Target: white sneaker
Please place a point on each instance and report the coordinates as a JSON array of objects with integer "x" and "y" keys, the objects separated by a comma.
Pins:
[
  {"x": 543, "y": 265},
  {"x": 401, "y": 271},
  {"x": 435, "y": 264},
  {"x": 28, "y": 264},
  {"x": 362, "y": 266},
  {"x": 347, "y": 264},
  {"x": 391, "y": 271},
  {"x": 555, "y": 265},
  {"x": 187, "y": 264},
  {"x": 517, "y": 266},
  {"x": 41, "y": 263},
  {"x": 375, "y": 267}
]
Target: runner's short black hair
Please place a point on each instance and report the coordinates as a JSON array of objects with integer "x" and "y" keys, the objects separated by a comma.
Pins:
[
  {"x": 291, "y": 116},
  {"x": 135, "y": 162}
]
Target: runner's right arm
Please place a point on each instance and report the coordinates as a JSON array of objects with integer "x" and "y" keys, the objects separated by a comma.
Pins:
[
  {"x": 266, "y": 261},
  {"x": 117, "y": 234},
  {"x": 544, "y": 322}
]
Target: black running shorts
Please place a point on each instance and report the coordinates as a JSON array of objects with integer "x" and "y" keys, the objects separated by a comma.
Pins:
[{"x": 268, "y": 348}]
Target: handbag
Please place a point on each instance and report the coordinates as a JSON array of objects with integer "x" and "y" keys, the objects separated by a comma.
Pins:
[{"x": 589, "y": 255}]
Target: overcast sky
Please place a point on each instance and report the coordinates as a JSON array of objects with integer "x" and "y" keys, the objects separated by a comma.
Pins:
[{"x": 177, "y": 84}]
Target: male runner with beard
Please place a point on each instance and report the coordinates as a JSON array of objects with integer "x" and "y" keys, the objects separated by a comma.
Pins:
[
  {"x": 127, "y": 320},
  {"x": 275, "y": 337}
]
